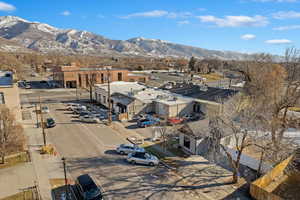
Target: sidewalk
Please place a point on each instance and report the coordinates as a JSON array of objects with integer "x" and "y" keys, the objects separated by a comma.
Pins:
[
  {"x": 14, "y": 179},
  {"x": 45, "y": 167}
]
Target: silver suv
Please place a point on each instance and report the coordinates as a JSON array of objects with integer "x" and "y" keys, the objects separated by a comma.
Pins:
[
  {"x": 129, "y": 148},
  {"x": 142, "y": 158}
]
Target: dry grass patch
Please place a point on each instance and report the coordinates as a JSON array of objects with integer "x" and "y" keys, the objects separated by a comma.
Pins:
[
  {"x": 212, "y": 77},
  {"x": 26, "y": 195},
  {"x": 14, "y": 160}
]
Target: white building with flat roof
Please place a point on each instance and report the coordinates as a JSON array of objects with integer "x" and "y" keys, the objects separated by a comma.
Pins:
[{"x": 132, "y": 98}]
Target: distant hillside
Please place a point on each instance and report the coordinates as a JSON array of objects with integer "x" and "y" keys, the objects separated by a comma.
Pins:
[{"x": 45, "y": 38}]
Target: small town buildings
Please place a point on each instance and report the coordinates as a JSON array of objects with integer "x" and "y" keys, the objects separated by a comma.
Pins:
[
  {"x": 132, "y": 98},
  {"x": 73, "y": 76}
]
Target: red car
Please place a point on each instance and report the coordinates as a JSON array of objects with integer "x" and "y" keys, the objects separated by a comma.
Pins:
[{"x": 175, "y": 120}]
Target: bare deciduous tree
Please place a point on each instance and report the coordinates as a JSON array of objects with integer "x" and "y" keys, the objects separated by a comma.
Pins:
[
  {"x": 275, "y": 88},
  {"x": 237, "y": 120},
  {"x": 11, "y": 134}
]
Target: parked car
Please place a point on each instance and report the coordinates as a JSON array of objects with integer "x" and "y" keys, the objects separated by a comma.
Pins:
[
  {"x": 146, "y": 122},
  {"x": 129, "y": 148},
  {"x": 27, "y": 86},
  {"x": 45, "y": 110},
  {"x": 142, "y": 158},
  {"x": 50, "y": 123},
  {"x": 87, "y": 188},
  {"x": 175, "y": 121},
  {"x": 89, "y": 119},
  {"x": 71, "y": 106},
  {"x": 84, "y": 112},
  {"x": 78, "y": 109}
]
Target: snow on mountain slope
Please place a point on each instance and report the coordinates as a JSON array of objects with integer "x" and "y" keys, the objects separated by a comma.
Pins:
[{"x": 45, "y": 38}]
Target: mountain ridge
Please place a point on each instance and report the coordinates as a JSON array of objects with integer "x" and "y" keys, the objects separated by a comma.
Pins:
[{"x": 46, "y": 38}]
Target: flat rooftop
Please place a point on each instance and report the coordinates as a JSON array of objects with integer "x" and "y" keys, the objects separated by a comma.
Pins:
[
  {"x": 145, "y": 94},
  {"x": 121, "y": 87}
]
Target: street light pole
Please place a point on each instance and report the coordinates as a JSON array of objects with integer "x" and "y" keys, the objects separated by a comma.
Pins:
[{"x": 65, "y": 174}]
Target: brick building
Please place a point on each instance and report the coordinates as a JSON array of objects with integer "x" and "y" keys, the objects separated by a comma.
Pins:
[{"x": 74, "y": 75}]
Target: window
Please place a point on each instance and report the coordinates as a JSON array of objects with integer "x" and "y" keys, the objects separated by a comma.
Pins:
[
  {"x": 104, "y": 99},
  {"x": 120, "y": 76},
  {"x": 187, "y": 142}
]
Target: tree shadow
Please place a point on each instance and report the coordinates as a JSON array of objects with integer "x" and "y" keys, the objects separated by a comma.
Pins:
[{"x": 123, "y": 180}]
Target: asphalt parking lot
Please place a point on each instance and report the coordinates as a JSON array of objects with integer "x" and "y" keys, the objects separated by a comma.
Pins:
[{"x": 90, "y": 148}]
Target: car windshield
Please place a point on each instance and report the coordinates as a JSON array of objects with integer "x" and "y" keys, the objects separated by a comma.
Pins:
[
  {"x": 50, "y": 120},
  {"x": 45, "y": 108},
  {"x": 92, "y": 191}
]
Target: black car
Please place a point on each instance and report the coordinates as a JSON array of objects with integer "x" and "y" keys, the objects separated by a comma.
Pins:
[
  {"x": 50, "y": 123},
  {"x": 87, "y": 188}
]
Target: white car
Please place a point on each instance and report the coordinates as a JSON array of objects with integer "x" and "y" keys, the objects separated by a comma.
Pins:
[
  {"x": 45, "y": 110},
  {"x": 89, "y": 119},
  {"x": 71, "y": 106},
  {"x": 142, "y": 158},
  {"x": 129, "y": 148}
]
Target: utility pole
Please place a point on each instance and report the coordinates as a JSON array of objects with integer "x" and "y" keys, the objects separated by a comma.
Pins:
[
  {"x": 37, "y": 116},
  {"x": 76, "y": 92},
  {"x": 42, "y": 122},
  {"x": 66, "y": 180},
  {"x": 108, "y": 90}
]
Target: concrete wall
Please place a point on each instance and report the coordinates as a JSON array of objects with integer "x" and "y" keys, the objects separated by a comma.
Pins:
[
  {"x": 262, "y": 188},
  {"x": 168, "y": 111}
]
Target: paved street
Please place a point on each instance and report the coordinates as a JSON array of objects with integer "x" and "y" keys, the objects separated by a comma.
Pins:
[{"x": 89, "y": 148}]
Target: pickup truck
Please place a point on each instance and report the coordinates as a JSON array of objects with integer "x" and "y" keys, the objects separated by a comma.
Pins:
[{"x": 147, "y": 122}]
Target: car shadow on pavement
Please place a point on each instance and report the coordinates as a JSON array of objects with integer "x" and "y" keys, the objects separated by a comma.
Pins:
[
  {"x": 75, "y": 121},
  {"x": 132, "y": 126},
  {"x": 111, "y": 152},
  {"x": 61, "y": 109},
  {"x": 68, "y": 113}
]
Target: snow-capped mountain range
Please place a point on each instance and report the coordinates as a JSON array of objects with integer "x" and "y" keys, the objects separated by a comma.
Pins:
[{"x": 45, "y": 38}]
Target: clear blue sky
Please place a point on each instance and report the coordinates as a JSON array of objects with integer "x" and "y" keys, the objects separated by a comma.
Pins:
[{"x": 238, "y": 25}]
